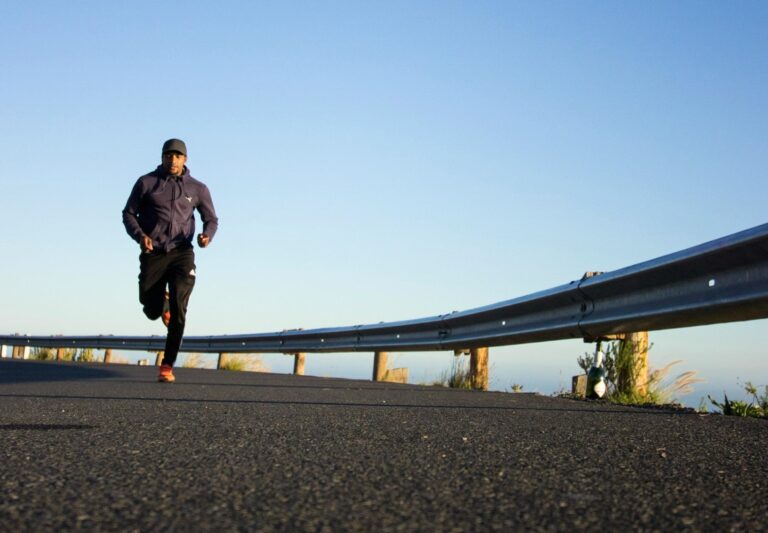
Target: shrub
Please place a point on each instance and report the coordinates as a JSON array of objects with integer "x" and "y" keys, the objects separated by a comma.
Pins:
[
  {"x": 43, "y": 354},
  {"x": 758, "y": 408},
  {"x": 623, "y": 372},
  {"x": 85, "y": 355}
]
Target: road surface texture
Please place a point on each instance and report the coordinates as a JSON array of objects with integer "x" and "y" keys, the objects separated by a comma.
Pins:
[{"x": 106, "y": 447}]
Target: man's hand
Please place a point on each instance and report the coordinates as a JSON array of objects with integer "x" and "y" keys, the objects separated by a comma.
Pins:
[
  {"x": 146, "y": 244},
  {"x": 203, "y": 240}
]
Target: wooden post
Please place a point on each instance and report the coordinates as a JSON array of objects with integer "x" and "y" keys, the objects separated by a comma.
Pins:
[
  {"x": 298, "y": 364},
  {"x": 478, "y": 368},
  {"x": 222, "y": 361},
  {"x": 18, "y": 352},
  {"x": 639, "y": 345},
  {"x": 108, "y": 355},
  {"x": 59, "y": 354},
  {"x": 579, "y": 385},
  {"x": 379, "y": 366},
  {"x": 159, "y": 358}
]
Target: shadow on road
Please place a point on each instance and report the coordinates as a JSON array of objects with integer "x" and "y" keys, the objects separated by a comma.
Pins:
[{"x": 19, "y": 371}]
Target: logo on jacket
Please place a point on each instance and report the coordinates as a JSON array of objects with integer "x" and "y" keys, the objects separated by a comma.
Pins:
[{"x": 189, "y": 198}]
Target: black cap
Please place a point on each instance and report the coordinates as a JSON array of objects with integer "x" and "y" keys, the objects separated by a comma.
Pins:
[{"x": 175, "y": 145}]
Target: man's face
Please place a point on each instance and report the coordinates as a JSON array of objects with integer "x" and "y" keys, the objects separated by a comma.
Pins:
[{"x": 173, "y": 163}]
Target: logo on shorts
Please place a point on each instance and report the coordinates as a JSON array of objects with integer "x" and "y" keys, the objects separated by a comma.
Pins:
[{"x": 192, "y": 273}]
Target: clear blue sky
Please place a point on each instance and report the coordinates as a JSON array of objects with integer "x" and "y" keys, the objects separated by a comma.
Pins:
[{"x": 378, "y": 161}]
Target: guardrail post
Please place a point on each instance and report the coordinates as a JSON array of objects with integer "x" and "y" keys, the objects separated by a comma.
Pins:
[
  {"x": 222, "y": 361},
  {"x": 60, "y": 354},
  {"x": 637, "y": 342},
  {"x": 159, "y": 358},
  {"x": 108, "y": 355},
  {"x": 379, "y": 365},
  {"x": 298, "y": 364},
  {"x": 20, "y": 352},
  {"x": 478, "y": 368}
]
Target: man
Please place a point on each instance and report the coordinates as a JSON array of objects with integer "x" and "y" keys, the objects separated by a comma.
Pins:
[{"x": 159, "y": 215}]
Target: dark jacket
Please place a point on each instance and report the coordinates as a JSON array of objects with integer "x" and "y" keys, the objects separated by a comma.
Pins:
[{"x": 162, "y": 206}]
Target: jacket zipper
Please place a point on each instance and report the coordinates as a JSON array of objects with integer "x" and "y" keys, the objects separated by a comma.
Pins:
[{"x": 173, "y": 209}]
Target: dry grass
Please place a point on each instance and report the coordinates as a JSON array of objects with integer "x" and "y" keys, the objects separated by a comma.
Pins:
[
  {"x": 458, "y": 377},
  {"x": 43, "y": 354},
  {"x": 661, "y": 389},
  {"x": 193, "y": 360},
  {"x": 244, "y": 363}
]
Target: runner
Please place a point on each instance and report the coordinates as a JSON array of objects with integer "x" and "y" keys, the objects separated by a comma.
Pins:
[{"x": 159, "y": 215}]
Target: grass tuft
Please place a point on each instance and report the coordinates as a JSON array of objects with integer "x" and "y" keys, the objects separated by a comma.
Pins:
[
  {"x": 244, "y": 363},
  {"x": 192, "y": 361},
  {"x": 660, "y": 388},
  {"x": 458, "y": 377}
]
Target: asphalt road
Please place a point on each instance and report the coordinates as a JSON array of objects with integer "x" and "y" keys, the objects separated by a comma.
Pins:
[{"x": 105, "y": 447}]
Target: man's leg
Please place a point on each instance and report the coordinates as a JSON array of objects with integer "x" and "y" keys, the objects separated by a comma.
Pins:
[
  {"x": 181, "y": 281},
  {"x": 152, "y": 282}
]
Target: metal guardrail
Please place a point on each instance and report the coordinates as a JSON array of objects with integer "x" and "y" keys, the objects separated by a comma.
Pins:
[{"x": 724, "y": 280}]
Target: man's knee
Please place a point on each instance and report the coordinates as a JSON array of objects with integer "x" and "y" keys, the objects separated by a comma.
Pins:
[
  {"x": 152, "y": 312},
  {"x": 153, "y": 306}
]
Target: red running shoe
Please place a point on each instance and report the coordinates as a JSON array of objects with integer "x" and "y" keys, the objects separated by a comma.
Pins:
[{"x": 166, "y": 374}]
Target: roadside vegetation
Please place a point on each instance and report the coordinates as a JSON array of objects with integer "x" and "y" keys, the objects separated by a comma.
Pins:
[
  {"x": 456, "y": 377},
  {"x": 244, "y": 363},
  {"x": 459, "y": 376},
  {"x": 83, "y": 355},
  {"x": 193, "y": 360},
  {"x": 626, "y": 383},
  {"x": 757, "y": 407}
]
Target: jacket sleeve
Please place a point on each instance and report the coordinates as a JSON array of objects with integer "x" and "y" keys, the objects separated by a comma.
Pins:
[
  {"x": 131, "y": 211},
  {"x": 207, "y": 212}
]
